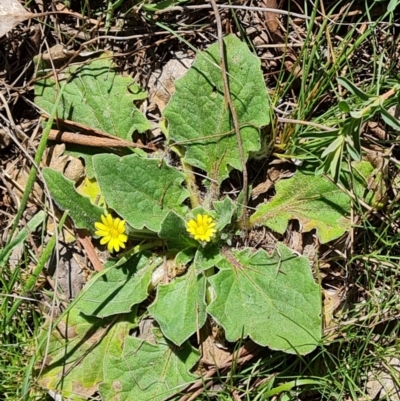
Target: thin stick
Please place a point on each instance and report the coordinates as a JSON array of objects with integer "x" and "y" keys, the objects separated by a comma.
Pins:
[
  {"x": 232, "y": 110},
  {"x": 92, "y": 140}
]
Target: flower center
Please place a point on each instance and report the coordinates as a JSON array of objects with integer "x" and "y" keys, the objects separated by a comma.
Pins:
[
  {"x": 114, "y": 233},
  {"x": 201, "y": 230}
]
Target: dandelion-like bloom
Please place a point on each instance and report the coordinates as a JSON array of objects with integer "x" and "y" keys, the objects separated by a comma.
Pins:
[
  {"x": 202, "y": 228},
  {"x": 112, "y": 231}
]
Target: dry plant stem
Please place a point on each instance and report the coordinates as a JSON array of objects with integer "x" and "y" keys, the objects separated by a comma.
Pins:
[
  {"x": 85, "y": 241},
  {"x": 92, "y": 140},
  {"x": 191, "y": 184},
  {"x": 232, "y": 110},
  {"x": 380, "y": 99},
  {"x": 328, "y": 37},
  {"x": 45, "y": 14},
  {"x": 190, "y": 178}
]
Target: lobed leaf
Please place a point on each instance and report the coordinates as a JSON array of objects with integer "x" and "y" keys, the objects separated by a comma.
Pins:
[
  {"x": 120, "y": 288},
  {"x": 76, "y": 353},
  {"x": 198, "y": 114},
  {"x": 271, "y": 299},
  {"x": 180, "y": 307},
  {"x": 96, "y": 97},
  {"x": 147, "y": 371},
  {"x": 315, "y": 201},
  {"x": 142, "y": 191}
]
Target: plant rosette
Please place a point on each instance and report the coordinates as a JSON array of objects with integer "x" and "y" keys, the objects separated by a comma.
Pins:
[{"x": 271, "y": 298}]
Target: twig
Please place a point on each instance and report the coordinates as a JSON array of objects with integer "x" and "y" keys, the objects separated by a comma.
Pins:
[
  {"x": 232, "y": 110},
  {"x": 92, "y": 140},
  {"x": 85, "y": 241}
]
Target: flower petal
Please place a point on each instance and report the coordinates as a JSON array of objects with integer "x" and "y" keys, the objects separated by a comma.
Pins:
[
  {"x": 121, "y": 227},
  {"x": 101, "y": 226},
  {"x": 122, "y": 238},
  {"x": 112, "y": 231},
  {"x": 105, "y": 239}
]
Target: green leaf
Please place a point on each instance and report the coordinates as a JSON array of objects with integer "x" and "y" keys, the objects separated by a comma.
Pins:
[
  {"x": 313, "y": 200},
  {"x": 185, "y": 256},
  {"x": 352, "y": 151},
  {"x": 356, "y": 114},
  {"x": 334, "y": 146},
  {"x": 392, "y": 5},
  {"x": 390, "y": 120},
  {"x": 162, "y": 5},
  {"x": 352, "y": 88},
  {"x": 81, "y": 210},
  {"x": 76, "y": 353},
  {"x": 198, "y": 114},
  {"x": 96, "y": 97},
  {"x": 225, "y": 210},
  {"x": 352, "y": 129},
  {"x": 207, "y": 257},
  {"x": 173, "y": 229},
  {"x": 344, "y": 107},
  {"x": 180, "y": 307},
  {"x": 272, "y": 299},
  {"x": 21, "y": 236},
  {"x": 147, "y": 372},
  {"x": 142, "y": 191},
  {"x": 120, "y": 288}
]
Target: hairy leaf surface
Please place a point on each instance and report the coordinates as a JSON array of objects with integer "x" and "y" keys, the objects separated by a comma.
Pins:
[{"x": 272, "y": 299}]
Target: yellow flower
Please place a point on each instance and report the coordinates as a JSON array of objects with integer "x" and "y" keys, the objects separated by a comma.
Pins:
[
  {"x": 112, "y": 231},
  {"x": 202, "y": 228}
]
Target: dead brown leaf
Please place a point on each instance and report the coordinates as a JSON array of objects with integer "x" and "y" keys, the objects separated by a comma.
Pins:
[
  {"x": 273, "y": 174},
  {"x": 11, "y": 14},
  {"x": 213, "y": 352}
]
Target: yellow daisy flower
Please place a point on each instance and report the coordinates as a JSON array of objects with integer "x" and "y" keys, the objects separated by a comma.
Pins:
[
  {"x": 112, "y": 231},
  {"x": 202, "y": 228}
]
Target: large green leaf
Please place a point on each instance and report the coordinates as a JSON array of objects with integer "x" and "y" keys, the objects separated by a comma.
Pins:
[
  {"x": 147, "y": 372},
  {"x": 315, "y": 201},
  {"x": 180, "y": 307},
  {"x": 81, "y": 210},
  {"x": 96, "y": 97},
  {"x": 76, "y": 353},
  {"x": 199, "y": 116},
  {"x": 173, "y": 230},
  {"x": 142, "y": 191},
  {"x": 271, "y": 299},
  {"x": 119, "y": 288}
]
